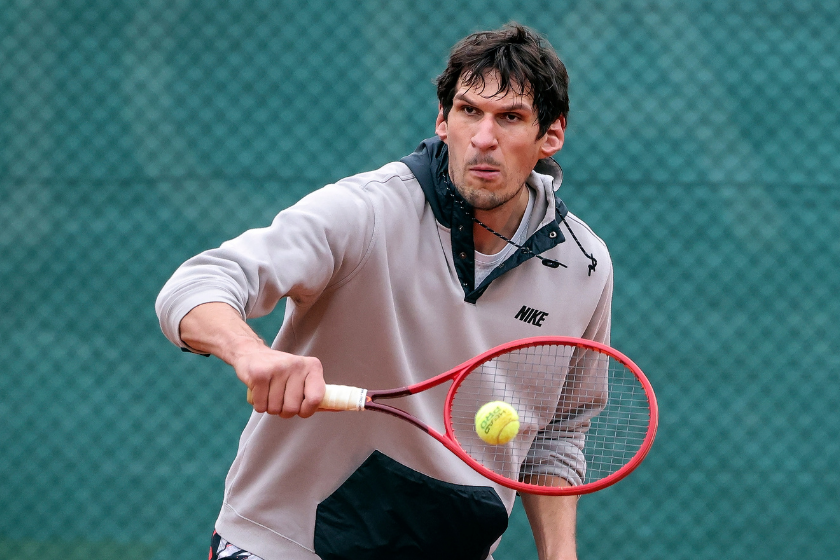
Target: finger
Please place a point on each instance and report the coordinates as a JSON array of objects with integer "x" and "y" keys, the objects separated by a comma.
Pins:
[
  {"x": 276, "y": 396},
  {"x": 249, "y": 394},
  {"x": 293, "y": 396},
  {"x": 314, "y": 389},
  {"x": 257, "y": 396}
]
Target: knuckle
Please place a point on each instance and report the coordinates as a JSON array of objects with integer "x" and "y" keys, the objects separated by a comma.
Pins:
[
  {"x": 258, "y": 372},
  {"x": 259, "y": 407},
  {"x": 314, "y": 365}
]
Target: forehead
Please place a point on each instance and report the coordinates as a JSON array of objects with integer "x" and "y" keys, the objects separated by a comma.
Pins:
[{"x": 488, "y": 88}]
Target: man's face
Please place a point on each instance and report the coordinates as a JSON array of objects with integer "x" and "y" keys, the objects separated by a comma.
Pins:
[{"x": 493, "y": 144}]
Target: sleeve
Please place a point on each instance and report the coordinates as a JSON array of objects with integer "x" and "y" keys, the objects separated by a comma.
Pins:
[
  {"x": 317, "y": 243},
  {"x": 557, "y": 449}
]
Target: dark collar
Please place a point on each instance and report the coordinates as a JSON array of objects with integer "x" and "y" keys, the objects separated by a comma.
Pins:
[{"x": 430, "y": 165}]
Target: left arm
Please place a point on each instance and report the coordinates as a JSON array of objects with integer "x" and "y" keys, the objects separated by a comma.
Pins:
[
  {"x": 553, "y": 519},
  {"x": 553, "y": 522}
]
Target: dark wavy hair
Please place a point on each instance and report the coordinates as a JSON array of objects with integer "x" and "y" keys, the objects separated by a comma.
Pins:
[{"x": 525, "y": 63}]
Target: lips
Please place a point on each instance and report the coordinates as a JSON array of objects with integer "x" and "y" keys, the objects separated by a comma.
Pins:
[{"x": 484, "y": 172}]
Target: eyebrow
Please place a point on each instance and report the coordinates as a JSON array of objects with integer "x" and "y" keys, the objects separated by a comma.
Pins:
[{"x": 518, "y": 106}]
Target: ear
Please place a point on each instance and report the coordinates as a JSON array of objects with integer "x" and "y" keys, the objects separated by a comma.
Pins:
[
  {"x": 441, "y": 127},
  {"x": 553, "y": 139}
]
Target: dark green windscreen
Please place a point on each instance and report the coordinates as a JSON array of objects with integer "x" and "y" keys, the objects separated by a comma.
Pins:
[{"x": 703, "y": 146}]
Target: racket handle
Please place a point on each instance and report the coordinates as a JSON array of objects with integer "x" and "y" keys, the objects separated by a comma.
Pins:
[
  {"x": 336, "y": 397},
  {"x": 343, "y": 397}
]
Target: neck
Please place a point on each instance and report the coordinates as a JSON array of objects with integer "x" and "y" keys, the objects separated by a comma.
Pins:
[{"x": 504, "y": 219}]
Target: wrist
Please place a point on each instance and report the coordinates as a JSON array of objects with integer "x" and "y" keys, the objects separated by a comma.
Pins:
[{"x": 241, "y": 346}]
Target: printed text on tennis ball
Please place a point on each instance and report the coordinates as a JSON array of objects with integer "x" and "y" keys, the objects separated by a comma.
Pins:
[{"x": 497, "y": 423}]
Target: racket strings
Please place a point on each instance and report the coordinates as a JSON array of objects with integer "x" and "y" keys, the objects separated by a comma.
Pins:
[{"x": 583, "y": 414}]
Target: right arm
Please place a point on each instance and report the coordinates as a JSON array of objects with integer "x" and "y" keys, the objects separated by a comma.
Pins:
[
  {"x": 316, "y": 243},
  {"x": 281, "y": 383}
]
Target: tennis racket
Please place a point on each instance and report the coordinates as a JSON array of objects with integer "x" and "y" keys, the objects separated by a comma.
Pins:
[{"x": 587, "y": 413}]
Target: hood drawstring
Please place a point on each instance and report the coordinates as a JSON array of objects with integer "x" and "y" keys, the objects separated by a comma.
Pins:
[
  {"x": 594, "y": 262},
  {"x": 551, "y": 263}
]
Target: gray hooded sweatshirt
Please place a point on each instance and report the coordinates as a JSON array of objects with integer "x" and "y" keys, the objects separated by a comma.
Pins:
[{"x": 377, "y": 272}]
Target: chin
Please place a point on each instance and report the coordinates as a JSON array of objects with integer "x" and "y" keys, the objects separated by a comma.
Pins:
[{"x": 482, "y": 200}]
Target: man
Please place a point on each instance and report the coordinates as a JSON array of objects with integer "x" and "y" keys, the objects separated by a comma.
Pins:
[{"x": 392, "y": 277}]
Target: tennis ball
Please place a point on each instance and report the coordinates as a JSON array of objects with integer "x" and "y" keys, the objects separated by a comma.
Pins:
[{"x": 496, "y": 422}]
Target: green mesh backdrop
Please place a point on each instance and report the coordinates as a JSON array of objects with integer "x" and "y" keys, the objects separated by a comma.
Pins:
[{"x": 703, "y": 145}]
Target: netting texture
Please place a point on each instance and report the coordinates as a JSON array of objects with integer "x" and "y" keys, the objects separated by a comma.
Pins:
[{"x": 702, "y": 146}]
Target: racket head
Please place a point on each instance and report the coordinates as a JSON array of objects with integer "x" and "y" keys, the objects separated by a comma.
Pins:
[{"x": 587, "y": 413}]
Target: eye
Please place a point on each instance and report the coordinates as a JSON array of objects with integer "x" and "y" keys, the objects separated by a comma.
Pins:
[
  {"x": 512, "y": 117},
  {"x": 470, "y": 110}
]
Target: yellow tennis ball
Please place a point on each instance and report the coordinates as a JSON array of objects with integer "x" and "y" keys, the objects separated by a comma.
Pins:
[{"x": 496, "y": 422}]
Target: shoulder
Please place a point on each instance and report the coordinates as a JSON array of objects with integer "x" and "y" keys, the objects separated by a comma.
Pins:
[
  {"x": 581, "y": 228},
  {"x": 389, "y": 174},
  {"x": 392, "y": 186},
  {"x": 589, "y": 241},
  {"x": 361, "y": 188}
]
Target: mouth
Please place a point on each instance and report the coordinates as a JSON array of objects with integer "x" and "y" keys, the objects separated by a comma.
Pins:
[{"x": 485, "y": 172}]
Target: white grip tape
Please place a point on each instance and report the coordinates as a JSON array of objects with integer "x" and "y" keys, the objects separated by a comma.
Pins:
[{"x": 342, "y": 397}]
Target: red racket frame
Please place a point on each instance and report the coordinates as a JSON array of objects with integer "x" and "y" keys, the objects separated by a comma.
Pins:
[{"x": 457, "y": 374}]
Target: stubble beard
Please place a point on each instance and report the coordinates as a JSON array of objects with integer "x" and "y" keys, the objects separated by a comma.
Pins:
[
  {"x": 479, "y": 198},
  {"x": 482, "y": 199}
]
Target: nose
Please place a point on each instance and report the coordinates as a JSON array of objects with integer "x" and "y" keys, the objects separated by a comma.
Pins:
[{"x": 484, "y": 137}]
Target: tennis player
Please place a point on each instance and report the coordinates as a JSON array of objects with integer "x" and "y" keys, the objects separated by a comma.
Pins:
[{"x": 391, "y": 277}]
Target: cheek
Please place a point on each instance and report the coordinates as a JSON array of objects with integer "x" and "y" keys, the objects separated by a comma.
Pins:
[{"x": 526, "y": 157}]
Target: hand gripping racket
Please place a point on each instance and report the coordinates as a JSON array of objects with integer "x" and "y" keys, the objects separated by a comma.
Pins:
[{"x": 587, "y": 413}]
